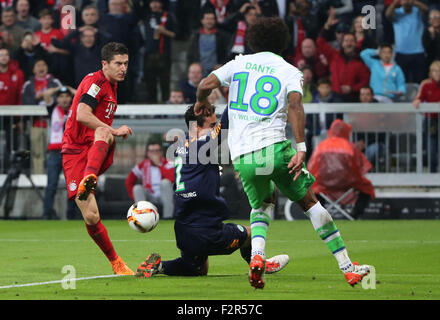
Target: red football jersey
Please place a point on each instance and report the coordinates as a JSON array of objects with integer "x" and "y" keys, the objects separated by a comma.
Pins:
[{"x": 97, "y": 92}]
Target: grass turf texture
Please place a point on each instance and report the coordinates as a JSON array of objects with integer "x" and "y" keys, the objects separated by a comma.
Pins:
[{"x": 406, "y": 256}]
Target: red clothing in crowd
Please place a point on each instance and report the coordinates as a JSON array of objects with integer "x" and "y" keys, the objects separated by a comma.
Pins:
[
  {"x": 142, "y": 171},
  {"x": 11, "y": 83},
  {"x": 430, "y": 92},
  {"x": 338, "y": 165},
  {"x": 45, "y": 38},
  {"x": 351, "y": 72},
  {"x": 320, "y": 69}
]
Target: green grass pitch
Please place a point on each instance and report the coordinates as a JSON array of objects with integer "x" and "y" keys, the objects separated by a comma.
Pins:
[{"x": 405, "y": 254}]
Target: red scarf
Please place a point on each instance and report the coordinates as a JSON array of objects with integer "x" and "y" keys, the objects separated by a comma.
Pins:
[
  {"x": 239, "y": 38},
  {"x": 163, "y": 20},
  {"x": 220, "y": 12}
]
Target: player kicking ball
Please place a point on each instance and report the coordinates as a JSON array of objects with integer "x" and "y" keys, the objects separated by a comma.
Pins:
[
  {"x": 264, "y": 93},
  {"x": 199, "y": 208},
  {"x": 89, "y": 143}
]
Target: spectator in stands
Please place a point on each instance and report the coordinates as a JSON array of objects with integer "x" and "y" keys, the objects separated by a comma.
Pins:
[
  {"x": 11, "y": 79},
  {"x": 47, "y": 32},
  {"x": 159, "y": 30},
  {"x": 58, "y": 111},
  {"x": 156, "y": 176},
  {"x": 11, "y": 33},
  {"x": 189, "y": 85},
  {"x": 300, "y": 18},
  {"x": 11, "y": 83},
  {"x": 24, "y": 18},
  {"x": 318, "y": 124},
  {"x": 297, "y": 30},
  {"x": 33, "y": 91},
  {"x": 308, "y": 84},
  {"x": 309, "y": 55},
  {"x": 238, "y": 40},
  {"x": 387, "y": 78},
  {"x": 86, "y": 53},
  {"x": 338, "y": 165},
  {"x": 348, "y": 72},
  {"x": 372, "y": 143},
  {"x": 366, "y": 95},
  {"x": 176, "y": 97},
  {"x": 60, "y": 64},
  {"x": 225, "y": 12},
  {"x": 29, "y": 52},
  {"x": 364, "y": 38},
  {"x": 431, "y": 37},
  {"x": 408, "y": 31},
  {"x": 208, "y": 45},
  {"x": 430, "y": 92}
]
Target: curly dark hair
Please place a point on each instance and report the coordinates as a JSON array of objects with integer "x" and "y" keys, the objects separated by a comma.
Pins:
[{"x": 268, "y": 34}]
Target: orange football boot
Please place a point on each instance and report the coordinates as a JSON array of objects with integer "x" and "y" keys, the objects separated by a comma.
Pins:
[
  {"x": 121, "y": 268},
  {"x": 87, "y": 186},
  {"x": 356, "y": 276},
  {"x": 256, "y": 272}
]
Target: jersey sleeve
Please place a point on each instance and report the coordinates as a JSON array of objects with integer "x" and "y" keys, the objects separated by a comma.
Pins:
[
  {"x": 92, "y": 92},
  {"x": 295, "y": 82},
  {"x": 224, "y": 73}
]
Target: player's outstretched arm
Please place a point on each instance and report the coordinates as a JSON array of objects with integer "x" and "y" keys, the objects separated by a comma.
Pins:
[
  {"x": 203, "y": 91},
  {"x": 86, "y": 117},
  {"x": 296, "y": 119}
]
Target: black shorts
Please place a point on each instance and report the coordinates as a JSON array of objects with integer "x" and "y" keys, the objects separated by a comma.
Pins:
[{"x": 197, "y": 243}]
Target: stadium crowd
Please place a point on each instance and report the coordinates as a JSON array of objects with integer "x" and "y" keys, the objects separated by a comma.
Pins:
[
  {"x": 173, "y": 44},
  {"x": 329, "y": 40}
]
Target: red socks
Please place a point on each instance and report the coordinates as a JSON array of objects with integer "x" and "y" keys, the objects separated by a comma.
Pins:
[
  {"x": 95, "y": 158},
  {"x": 99, "y": 234}
]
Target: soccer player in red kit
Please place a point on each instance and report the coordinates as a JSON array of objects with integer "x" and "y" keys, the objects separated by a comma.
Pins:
[{"x": 89, "y": 143}]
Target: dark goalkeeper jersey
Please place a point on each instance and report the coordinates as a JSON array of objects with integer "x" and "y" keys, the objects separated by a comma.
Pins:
[{"x": 197, "y": 200}]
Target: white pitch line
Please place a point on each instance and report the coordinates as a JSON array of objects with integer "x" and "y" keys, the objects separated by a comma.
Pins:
[
  {"x": 274, "y": 240},
  {"x": 58, "y": 281}
]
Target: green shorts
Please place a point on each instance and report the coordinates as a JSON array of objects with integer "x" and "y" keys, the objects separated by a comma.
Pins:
[{"x": 260, "y": 169}]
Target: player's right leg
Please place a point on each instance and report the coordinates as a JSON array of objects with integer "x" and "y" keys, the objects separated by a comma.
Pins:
[{"x": 96, "y": 156}]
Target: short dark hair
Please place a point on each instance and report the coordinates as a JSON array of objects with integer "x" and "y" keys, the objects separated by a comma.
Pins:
[
  {"x": 367, "y": 87},
  {"x": 44, "y": 12},
  {"x": 191, "y": 116},
  {"x": 385, "y": 45},
  {"x": 324, "y": 80},
  {"x": 111, "y": 49},
  {"x": 268, "y": 34},
  {"x": 153, "y": 141}
]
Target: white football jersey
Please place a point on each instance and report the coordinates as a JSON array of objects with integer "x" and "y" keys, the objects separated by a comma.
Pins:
[{"x": 258, "y": 87}]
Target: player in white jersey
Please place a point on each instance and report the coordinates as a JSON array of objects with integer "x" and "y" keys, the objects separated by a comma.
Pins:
[{"x": 264, "y": 93}]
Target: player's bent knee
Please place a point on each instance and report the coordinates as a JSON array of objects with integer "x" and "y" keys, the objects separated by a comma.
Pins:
[{"x": 103, "y": 134}]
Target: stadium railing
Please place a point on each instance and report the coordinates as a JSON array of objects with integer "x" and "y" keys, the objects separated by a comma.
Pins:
[{"x": 403, "y": 162}]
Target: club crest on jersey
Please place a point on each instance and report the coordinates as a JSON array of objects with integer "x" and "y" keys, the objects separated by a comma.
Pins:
[
  {"x": 72, "y": 185},
  {"x": 93, "y": 90}
]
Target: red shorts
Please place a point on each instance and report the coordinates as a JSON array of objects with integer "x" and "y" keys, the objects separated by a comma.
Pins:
[{"x": 75, "y": 164}]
